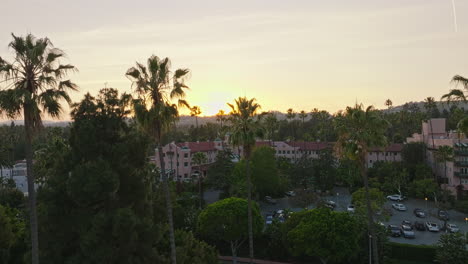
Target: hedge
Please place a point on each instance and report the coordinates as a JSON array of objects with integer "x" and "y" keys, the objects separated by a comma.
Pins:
[{"x": 420, "y": 253}]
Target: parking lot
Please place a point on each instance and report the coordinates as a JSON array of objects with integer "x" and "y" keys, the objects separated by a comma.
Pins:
[
  {"x": 423, "y": 237},
  {"x": 343, "y": 199}
]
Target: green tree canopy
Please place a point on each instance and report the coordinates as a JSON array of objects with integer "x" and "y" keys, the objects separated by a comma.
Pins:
[
  {"x": 226, "y": 220},
  {"x": 96, "y": 200},
  {"x": 451, "y": 249},
  {"x": 334, "y": 237}
]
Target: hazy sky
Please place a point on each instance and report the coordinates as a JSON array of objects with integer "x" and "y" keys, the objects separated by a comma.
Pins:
[{"x": 301, "y": 54}]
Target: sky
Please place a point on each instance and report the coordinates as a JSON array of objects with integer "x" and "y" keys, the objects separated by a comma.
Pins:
[{"x": 299, "y": 54}]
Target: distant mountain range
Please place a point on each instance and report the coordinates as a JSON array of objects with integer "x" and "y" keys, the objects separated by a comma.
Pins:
[{"x": 185, "y": 121}]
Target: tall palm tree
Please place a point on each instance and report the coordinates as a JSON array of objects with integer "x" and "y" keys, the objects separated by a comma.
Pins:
[
  {"x": 244, "y": 130},
  {"x": 388, "y": 103},
  {"x": 445, "y": 154},
  {"x": 199, "y": 159},
  {"x": 303, "y": 115},
  {"x": 221, "y": 118},
  {"x": 160, "y": 95},
  {"x": 195, "y": 111},
  {"x": 290, "y": 115},
  {"x": 359, "y": 130},
  {"x": 270, "y": 122},
  {"x": 456, "y": 94},
  {"x": 34, "y": 84}
]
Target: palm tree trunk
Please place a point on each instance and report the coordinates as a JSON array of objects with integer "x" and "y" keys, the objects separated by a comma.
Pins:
[
  {"x": 31, "y": 190},
  {"x": 249, "y": 207},
  {"x": 168, "y": 205},
  {"x": 370, "y": 221},
  {"x": 200, "y": 187}
]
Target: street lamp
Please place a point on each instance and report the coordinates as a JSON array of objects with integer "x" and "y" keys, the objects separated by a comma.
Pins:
[{"x": 426, "y": 203}]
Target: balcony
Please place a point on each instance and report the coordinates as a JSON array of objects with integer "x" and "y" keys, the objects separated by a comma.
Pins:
[
  {"x": 461, "y": 174},
  {"x": 461, "y": 163},
  {"x": 461, "y": 152}
]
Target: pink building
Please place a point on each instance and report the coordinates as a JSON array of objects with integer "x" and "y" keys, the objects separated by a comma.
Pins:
[
  {"x": 179, "y": 164},
  {"x": 454, "y": 175},
  {"x": 391, "y": 153}
]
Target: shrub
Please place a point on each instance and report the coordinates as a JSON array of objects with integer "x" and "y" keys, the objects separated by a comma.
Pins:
[{"x": 420, "y": 253}]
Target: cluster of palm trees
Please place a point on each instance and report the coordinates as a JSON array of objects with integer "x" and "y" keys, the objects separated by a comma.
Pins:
[{"x": 35, "y": 82}]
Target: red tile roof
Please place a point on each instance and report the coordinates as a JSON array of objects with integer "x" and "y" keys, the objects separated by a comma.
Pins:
[
  {"x": 310, "y": 145},
  {"x": 198, "y": 146},
  {"x": 263, "y": 143}
]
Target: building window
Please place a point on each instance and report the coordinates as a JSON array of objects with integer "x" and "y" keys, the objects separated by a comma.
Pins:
[
  {"x": 386, "y": 153},
  {"x": 288, "y": 152},
  {"x": 464, "y": 181},
  {"x": 185, "y": 175},
  {"x": 177, "y": 154},
  {"x": 177, "y": 164},
  {"x": 164, "y": 155},
  {"x": 394, "y": 153},
  {"x": 370, "y": 161},
  {"x": 293, "y": 152},
  {"x": 185, "y": 164},
  {"x": 185, "y": 155}
]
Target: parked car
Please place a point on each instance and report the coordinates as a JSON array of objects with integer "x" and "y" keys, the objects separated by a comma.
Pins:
[
  {"x": 407, "y": 231},
  {"x": 394, "y": 230},
  {"x": 419, "y": 213},
  {"x": 331, "y": 203},
  {"x": 396, "y": 197},
  {"x": 269, "y": 219},
  {"x": 419, "y": 226},
  {"x": 351, "y": 208},
  {"x": 433, "y": 227},
  {"x": 270, "y": 200},
  {"x": 407, "y": 224},
  {"x": 443, "y": 215},
  {"x": 399, "y": 206},
  {"x": 279, "y": 212},
  {"x": 452, "y": 228},
  {"x": 290, "y": 193}
]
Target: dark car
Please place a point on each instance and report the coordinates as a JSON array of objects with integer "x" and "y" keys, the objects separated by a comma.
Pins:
[
  {"x": 443, "y": 215},
  {"x": 419, "y": 226},
  {"x": 419, "y": 213},
  {"x": 407, "y": 224},
  {"x": 270, "y": 200},
  {"x": 394, "y": 230}
]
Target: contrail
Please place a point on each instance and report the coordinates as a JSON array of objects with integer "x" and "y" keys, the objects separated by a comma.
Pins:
[{"x": 454, "y": 16}]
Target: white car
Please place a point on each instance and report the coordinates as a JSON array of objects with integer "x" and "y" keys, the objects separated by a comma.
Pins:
[
  {"x": 399, "y": 206},
  {"x": 351, "y": 208},
  {"x": 452, "y": 228},
  {"x": 433, "y": 227},
  {"x": 396, "y": 197},
  {"x": 291, "y": 193}
]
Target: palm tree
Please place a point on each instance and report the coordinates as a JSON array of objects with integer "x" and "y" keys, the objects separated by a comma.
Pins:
[
  {"x": 270, "y": 122},
  {"x": 456, "y": 94},
  {"x": 445, "y": 154},
  {"x": 195, "y": 111},
  {"x": 199, "y": 159},
  {"x": 244, "y": 130},
  {"x": 290, "y": 115},
  {"x": 221, "y": 118},
  {"x": 388, "y": 103},
  {"x": 303, "y": 116},
  {"x": 358, "y": 131},
  {"x": 156, "y": 87},
  {"x": 34, "y": 84}
]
